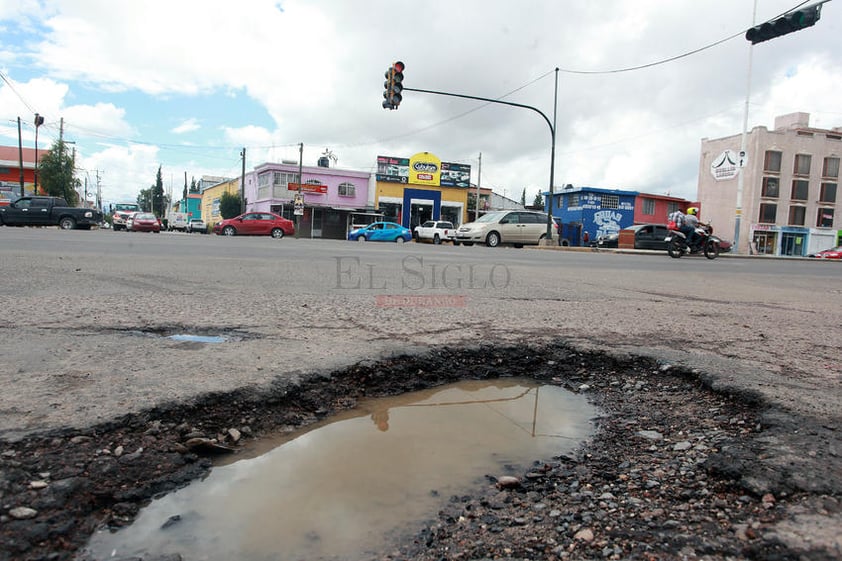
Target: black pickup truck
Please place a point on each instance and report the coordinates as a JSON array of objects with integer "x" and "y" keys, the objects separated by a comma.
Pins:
[{"x": 48, "y": 211}]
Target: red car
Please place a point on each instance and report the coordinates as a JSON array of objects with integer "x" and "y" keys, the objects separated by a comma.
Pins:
[
  {"x": 256, "y": 224},
  {"x": 145, "y": 222},
  {"x": 832, "y": 253}
]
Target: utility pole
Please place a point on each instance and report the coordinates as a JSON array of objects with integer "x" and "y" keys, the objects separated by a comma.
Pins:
[
  {"x": 479, "y": 178},
  {"x": 20, "y": 158},
  {"x": 243, "y": 183},
  {"x": 738, "y": 211},
  {"x": 298, "y": 198},
  {"x": 39, "y": 120}
]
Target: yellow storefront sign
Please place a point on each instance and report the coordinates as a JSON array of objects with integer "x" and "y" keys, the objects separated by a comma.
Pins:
[{"x": 424, "y": 169}]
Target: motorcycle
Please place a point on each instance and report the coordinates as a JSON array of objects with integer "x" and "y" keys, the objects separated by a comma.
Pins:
[{"x": 705, "y": 243}]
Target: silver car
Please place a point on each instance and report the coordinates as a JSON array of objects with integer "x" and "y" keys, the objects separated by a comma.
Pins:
[{"x": 515, "y": 227}]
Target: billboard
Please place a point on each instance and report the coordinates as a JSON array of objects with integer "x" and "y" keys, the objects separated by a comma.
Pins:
[{"x": 424, "y": 169}]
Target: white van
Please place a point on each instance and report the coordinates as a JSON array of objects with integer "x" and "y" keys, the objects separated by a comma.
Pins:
[
  {"x": 516, "y": 227},
  {"x": 178, "y": 221}
]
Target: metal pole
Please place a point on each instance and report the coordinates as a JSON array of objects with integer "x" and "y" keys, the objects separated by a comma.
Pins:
[
  {"x": 298, "y": 198},
  {"x": 552, "y": 163},
  {"x": 243, "y": 183},
  {"x": 479, "y": 178},
  {"x": 20, "y": 158},
  {"x": 35, "y": 173},
  {"x": 738, "y": 213}
]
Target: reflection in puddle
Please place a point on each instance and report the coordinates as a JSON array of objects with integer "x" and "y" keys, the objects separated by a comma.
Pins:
[{"x": 360, "y": 480}]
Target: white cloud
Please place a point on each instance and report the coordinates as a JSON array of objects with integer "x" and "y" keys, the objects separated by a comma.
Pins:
[
  {"x": 311, "y": 71},
  {"x": 188, "y": 125}
]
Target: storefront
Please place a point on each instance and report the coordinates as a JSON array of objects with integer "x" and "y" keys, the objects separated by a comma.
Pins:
[{"x": 410, "y": 191}]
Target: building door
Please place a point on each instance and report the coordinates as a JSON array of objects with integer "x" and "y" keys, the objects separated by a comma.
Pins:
[
  {"x": 765, "y": 242},
  {"x": 318, "y": 215},
  {"x": 792, "y": 244}
]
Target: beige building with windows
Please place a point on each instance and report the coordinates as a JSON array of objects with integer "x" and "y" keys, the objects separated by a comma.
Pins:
[{"x": 790, "y": 183}]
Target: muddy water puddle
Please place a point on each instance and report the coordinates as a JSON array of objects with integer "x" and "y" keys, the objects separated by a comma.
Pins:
[{"x": 359, "y": 481}]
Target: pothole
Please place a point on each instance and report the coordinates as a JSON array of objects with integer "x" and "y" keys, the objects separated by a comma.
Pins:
[{"x": 348, "y": 485}]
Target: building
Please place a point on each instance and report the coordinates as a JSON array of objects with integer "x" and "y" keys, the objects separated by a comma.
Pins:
[
  {"x": 329, "y": 196},
  {"x": 411, "y": 191},
  {"x": 210, "y": 197},
  {"x": 790, "y": 182},
  {"x": 10, "y": 171},
  {"x": 589, "y": 212}
]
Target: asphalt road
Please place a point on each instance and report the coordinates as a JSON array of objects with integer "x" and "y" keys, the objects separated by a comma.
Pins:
[{"x": 86, "y": 314}]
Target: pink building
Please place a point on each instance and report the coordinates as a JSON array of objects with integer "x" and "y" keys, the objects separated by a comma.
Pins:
[{"x": 330, "y": 196}]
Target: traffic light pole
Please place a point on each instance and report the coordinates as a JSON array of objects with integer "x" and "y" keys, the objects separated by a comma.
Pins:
[{"x": 550, "y": 124}]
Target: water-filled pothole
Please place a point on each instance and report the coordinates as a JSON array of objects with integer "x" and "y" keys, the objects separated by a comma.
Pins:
[{"x": 354, "y": 483}]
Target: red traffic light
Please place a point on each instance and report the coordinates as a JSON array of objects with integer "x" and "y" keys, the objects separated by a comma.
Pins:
[
  {"x": 398, "y": 66},
  {"x": 392, "y": 86}
]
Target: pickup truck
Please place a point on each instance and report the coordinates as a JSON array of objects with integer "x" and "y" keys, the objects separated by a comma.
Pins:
[
  {"x": 48, "y": 211},
  {"x": 436, "y": 231}
]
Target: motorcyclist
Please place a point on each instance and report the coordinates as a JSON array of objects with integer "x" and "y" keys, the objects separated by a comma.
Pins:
[{"x": 689, "y": 225}]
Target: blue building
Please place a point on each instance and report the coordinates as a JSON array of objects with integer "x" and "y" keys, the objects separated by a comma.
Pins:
[{"x": 592, "y": 211}]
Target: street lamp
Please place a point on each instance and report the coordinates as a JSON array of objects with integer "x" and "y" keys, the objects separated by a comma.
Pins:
[{"x": 39, "y": 120}]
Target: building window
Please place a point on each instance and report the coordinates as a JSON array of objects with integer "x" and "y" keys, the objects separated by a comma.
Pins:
[
  {"x": 771, "y": 187},
  {"x": 830, "y": 167},
  {"x": 648, "y": 206},
  {"x": 796, "y": 215},
  {"x": 263, "y": 179},
  {"x": 672, "y": 207},
  {"x": 573, "y": 200},
  {"x": 827, "y": 193},
  {"x": 825, "y": 218},
  {"x": 772, "y": 162},
  {"x": 347, "y": 190},
  {"x": 284, "y": 178},
  {"x": 800, "y": 190},
  {"x": 802, "y": 164},
  {"x": 767, "y": 213},
  {"x": 610, "y": 201}
]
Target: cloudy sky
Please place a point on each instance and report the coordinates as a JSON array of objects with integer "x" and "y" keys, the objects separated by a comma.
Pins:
[{"x": 187, "y": 84}]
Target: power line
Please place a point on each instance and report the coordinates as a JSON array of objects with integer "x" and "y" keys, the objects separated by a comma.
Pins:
[{"x": 672, "y": 58}]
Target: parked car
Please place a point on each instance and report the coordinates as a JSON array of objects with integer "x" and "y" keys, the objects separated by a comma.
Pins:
[
  {"x": 646, "y": 236},
  {"x": 255, "y": 224},
  {"x": 436, "y": 231},
  {"x": 607, "y": 241},
  {"x": 832, "y": 253},
  {"x": 516, "y": 227},
  {"x": 144, "y": 222},
  {"x": 197, "y": 225},
  {"x": 381, "y": 232}
]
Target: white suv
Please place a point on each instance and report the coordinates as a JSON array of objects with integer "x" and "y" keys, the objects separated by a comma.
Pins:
[
  {"x": 197, "y": 225},
  {"x": 516, "y": 227},
  {"x": 436, "y": 231}
]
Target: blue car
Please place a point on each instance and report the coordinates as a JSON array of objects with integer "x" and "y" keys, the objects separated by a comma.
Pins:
[{"x": 381, "y": 232}]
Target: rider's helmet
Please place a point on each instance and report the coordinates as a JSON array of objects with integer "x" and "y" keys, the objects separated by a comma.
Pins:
[{"x": 693, "y": 210}]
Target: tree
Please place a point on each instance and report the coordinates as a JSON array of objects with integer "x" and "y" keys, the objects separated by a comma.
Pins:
[
  {"x": 144, "y": 199},
  {"x": 229, "y": 205},
  {"x": 194, "y": 187},
  {"x": 158, "y": 195},
  {"x": 523, "y": 197},
  {"x": 539, "y": 200},
  {"x": 56, "y": 171}
]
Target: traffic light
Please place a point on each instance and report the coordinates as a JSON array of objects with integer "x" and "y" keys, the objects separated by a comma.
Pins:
[
  {"x": 393, "y": 86},
  {"x": 787, "y": 23}
]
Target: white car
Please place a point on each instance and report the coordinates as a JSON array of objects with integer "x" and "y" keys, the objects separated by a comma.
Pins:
[
  {"x": 515, "y": 227},
  {"x": 197, "y": 225},
  {"x": 436, "y": 231}
]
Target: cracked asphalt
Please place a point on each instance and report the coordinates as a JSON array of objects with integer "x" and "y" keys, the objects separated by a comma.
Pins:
[{"x": 86, "y": 318}]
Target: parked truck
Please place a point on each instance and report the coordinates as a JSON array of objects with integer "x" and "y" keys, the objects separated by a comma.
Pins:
[
  {"x": 48, "y": 211},
  {"x": 178, "y": 221},
  {"x": 120, "y": 213}
]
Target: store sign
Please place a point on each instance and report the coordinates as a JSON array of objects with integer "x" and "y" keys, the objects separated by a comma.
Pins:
[
  {"x": 308, "y": 188},
  {"x": 423, "y": 169},
  {"x": 725, "y": 166}
]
